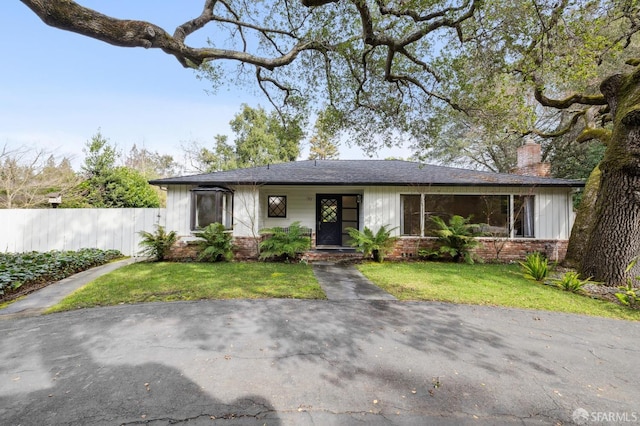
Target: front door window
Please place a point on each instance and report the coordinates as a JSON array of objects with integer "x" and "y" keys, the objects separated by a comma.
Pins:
[{"x": 335, "y": 214}]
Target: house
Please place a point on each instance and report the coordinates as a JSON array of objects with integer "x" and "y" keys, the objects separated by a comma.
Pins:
[{"x": 521, "y": 213}]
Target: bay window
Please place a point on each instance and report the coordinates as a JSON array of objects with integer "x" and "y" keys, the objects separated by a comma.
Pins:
[{"x": 211, "y": 205}]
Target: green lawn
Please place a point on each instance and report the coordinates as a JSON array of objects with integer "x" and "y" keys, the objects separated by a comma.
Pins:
[
  {"x": 151, "y": 282},
  {"x": 483, "y": 284}
]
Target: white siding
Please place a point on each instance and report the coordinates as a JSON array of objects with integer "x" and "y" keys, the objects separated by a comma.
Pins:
[
  {"x": 380, "y": 206},
  {"x": 247, "y": 217},
  {"x": 553, "y": 206},
  {"x": 178, "y": 210},
  {"x": 24, "y": 230}
]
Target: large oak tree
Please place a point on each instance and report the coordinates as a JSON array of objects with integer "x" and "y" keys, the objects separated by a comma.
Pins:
[{"x": 398, "y": 69}]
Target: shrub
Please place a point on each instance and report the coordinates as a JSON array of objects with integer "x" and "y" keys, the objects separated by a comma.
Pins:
[
  {"x": 19, "y": 269},
  {"x": 215, "y": 244},
  {"x": 157, "y": 245},
  {"x": 571, "y": 281},
  {"x": 284, "y": 243},
  {"x": 457, "y": 237},
  {"x": 377, "y": 245},
  {"x": 535, "y": 267}
]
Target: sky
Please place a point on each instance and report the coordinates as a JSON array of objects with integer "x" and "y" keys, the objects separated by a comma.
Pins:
[{"x": 58, "y": 89}]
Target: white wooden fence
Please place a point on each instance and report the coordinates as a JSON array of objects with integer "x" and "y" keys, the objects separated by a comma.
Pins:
[{"x": 24, "y": 230}]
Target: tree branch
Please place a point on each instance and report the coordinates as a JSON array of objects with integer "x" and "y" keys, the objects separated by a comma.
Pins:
[
  {"x": 70, "y": 16},
  {"x": 566, "y": 102}
]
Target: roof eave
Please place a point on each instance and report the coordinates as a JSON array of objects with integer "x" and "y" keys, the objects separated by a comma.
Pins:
[{"x": 355, "y": 183}]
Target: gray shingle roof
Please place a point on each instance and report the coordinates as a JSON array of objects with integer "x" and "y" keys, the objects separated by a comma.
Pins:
[{"x": 363, "y": 172}]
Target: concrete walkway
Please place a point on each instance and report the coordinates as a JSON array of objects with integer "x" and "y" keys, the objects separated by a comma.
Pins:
[
  {"x": 345, "y": 282},
  {"x": 39, "y": 301}
]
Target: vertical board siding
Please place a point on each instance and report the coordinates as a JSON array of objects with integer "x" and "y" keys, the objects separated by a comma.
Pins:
[
  {"x": 380, "y": 206},
  {"x": 25, "y": 230},
  {"x": 178, "y": 216}
]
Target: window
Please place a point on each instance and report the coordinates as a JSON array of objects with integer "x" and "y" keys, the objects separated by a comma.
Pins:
[
  {"x": 277, "y": 206},
  {"x": 490, "y": 212},
  {"x": 410, "y": 205},
  {"x": 523, "y": 216},
  {"x": 211, "y": 205}
]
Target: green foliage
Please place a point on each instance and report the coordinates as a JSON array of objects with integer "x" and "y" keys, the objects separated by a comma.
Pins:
[
  {"x": 19, "y": 269},
  {"x": 157, "y": 245},
  {"x": 263, "y": 138},
  {"x": 100, "y": 156},
  {"x": 125, "y": 187},
  {"x": 378, "y": 245},
  {"x": 630, "y": 295},
  {"x": 284, "y": 243},
  {"x": 322, "y": 144},
  {"x": 216, "y": 244},
  {"x": 571, "y": 281},
  {"x": 457, "y": 237},
  {"x": 535, "y": 267},
  {"x": 108, "y": 186}
]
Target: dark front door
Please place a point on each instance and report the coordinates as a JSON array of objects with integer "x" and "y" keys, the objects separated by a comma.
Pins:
[{"x": 329, "y": 220}]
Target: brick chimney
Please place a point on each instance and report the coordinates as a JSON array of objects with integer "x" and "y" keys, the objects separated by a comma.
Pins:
[{"x": 530, "y": 160}]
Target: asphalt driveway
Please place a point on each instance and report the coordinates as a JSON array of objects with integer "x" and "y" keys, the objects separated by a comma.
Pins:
[{"x": 294, "y": 362}]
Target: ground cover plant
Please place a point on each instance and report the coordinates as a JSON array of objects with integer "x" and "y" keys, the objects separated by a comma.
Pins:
[
  {"x": 170, "y": 281},
  {"x": 484, "y": 284},
  {"x": 21, "y": 273}
]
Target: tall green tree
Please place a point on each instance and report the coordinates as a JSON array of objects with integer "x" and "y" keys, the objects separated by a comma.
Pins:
[
  {"x": 108, "y": 185},
  {"x": 265, "y": 138},
  {"x": 322, "y": 144},
  {"x": 260, "y": 138}
]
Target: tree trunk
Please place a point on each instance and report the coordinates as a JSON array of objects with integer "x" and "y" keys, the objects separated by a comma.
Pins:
[
  {"x": 615, "y": 239},
  {"x": 584, "y": 221}
]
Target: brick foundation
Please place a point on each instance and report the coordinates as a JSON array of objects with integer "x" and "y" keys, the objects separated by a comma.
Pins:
[
  {"x": 184, "y": 249},
  {"x": 245, "y": 248},
  {"x": 489, "y": 249}
]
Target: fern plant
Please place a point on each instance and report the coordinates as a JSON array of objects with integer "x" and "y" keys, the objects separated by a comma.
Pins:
[
  {"x": 457, "y": 237},
  {"x": 284, "y": 243},
  {"x": 377, "y": 245},
  {"x": 158, "y": 244},
  {"x": 215, "y": 244},
  {"x": 535, "y": 267}
]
